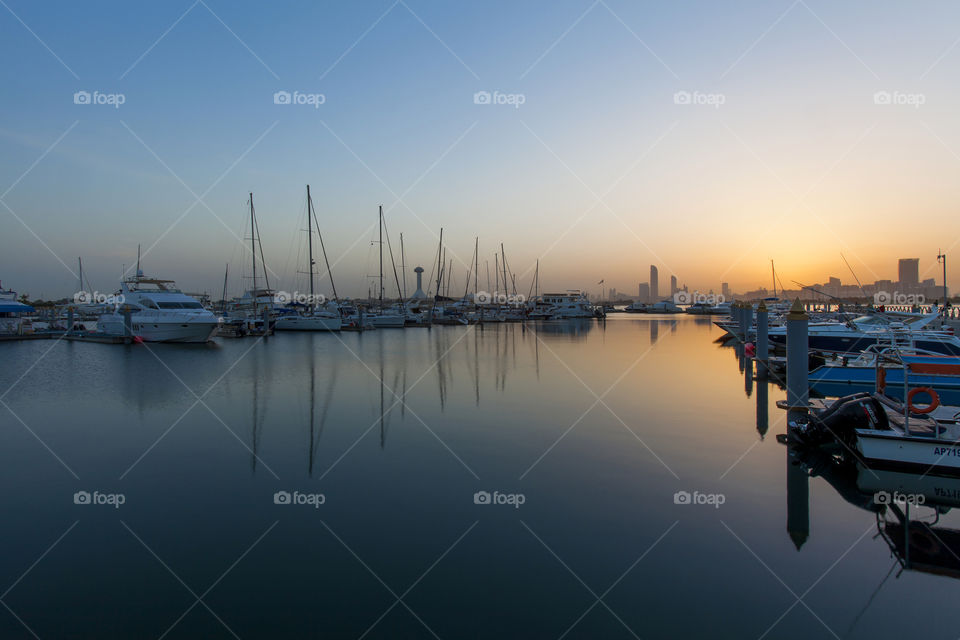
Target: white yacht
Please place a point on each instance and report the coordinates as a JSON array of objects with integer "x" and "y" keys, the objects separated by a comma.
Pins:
[
  {"x": 573, "y": 304},
  {"x": 159, "y": 312}
]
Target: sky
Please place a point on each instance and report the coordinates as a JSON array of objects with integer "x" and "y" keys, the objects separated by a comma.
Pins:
[{"x": 706, "y": 138}]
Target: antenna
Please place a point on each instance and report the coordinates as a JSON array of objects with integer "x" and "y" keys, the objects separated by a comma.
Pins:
[{"x": 854, "y": 276}]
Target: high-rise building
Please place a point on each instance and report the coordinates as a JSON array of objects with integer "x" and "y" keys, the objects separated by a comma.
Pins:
[
  {"x": 673, "y": 285},
  {"x": 725, "y": 290},
  {"x": 909, "y": 272},
  {"x": 654, "y": 284},
  {"x": 643, "y": 293}
]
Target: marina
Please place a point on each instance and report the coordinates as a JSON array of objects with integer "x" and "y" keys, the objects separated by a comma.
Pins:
[
  {"x": 395, "y": 429},
  {"x": 539, "y": 321}
]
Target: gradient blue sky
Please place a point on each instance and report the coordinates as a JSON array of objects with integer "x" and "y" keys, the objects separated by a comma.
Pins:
[{"x": 798, "y": 164}]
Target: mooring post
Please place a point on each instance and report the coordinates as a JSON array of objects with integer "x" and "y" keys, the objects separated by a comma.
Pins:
[
  {"x": 798, "y": 500},
  {"x": 798, "y": 388},
  {"x": 762, "y": 344},
  {"x": 742, "y": 320},
  {"x": 747, "y": 320}
]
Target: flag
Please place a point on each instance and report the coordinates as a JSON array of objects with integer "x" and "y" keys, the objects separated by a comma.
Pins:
[{"x": 601, "y": 282}]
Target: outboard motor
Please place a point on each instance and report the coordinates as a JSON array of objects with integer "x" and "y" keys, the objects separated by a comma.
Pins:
[{"x": 841, "y": 420}]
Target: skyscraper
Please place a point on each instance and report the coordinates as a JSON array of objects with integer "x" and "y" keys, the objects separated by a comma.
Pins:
[
  {"x": 673, "y": 285},
  {"x": 654, "y": 284},
  {"x": 725, "y": 290},
  {"x": 643, "y": 293},
  {"x": 909, "y": 270}
]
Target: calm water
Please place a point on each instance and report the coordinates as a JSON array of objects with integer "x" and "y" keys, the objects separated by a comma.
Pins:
[{"x": 199, "y": 439}]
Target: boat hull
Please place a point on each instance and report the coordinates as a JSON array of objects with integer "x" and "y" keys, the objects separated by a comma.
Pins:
[
  {"x": 307, "y": 323},
  {"x": 893, "y": 451},
  {"x": 162, "y": 331},
  {"x": 856, "y": 344},
  {"x": 386, "y": 321}
]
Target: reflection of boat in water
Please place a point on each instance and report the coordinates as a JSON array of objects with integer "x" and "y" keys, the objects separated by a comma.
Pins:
[
  {"x": 570, "y": 327},
  {"x": 898, "y": 500}
]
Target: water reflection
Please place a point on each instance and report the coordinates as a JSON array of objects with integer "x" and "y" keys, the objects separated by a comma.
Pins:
[{"x": 908, "y": 508}]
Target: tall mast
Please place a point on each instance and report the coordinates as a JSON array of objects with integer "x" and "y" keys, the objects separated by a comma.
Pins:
[
  {"x": 381, "y": 258},
  {"x": 223, "y": 298},
  {"x": 403, "y": 267},
  {"x": 253, "y": 253},
  {"x": 774, "y": 272},
  {"x": 503, "y": 261},
  {"x": 310, "y": 240},
  {"x": 496, "y": 273},
  {"x": 476, "y": 268},
  {"x": 80, "y": 263}
]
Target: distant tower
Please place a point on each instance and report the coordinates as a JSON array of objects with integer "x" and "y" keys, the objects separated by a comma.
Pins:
[
  {"x": 725, "y": 290},
  {"x": 673, "y": 285},
  {"x": 909, "y": 273},
  {"x": 643, "y": 293},
  {"x": 419, "y": 294},
  {"x": 654, "y": 284}
]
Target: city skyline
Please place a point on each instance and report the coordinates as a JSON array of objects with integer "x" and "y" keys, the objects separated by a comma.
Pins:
[{"x": 616, "y": 136}]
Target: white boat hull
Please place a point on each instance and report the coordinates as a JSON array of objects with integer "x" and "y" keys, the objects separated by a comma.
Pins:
[
  {"x": 307, "y": 323},
  {"x": 161, "y": 330},
  {"x": 923, "y": 454},
  {"x": 386, "y": 321}
]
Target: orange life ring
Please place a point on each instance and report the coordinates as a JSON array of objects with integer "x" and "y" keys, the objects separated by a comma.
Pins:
[{"x": 934, "y": 399}]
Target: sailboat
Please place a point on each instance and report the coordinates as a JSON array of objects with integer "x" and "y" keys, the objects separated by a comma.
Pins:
[
  {"x": 312, "y": 319},
  {"x": 384, "y": 319},
  {"x": 249, "y": 310}
]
